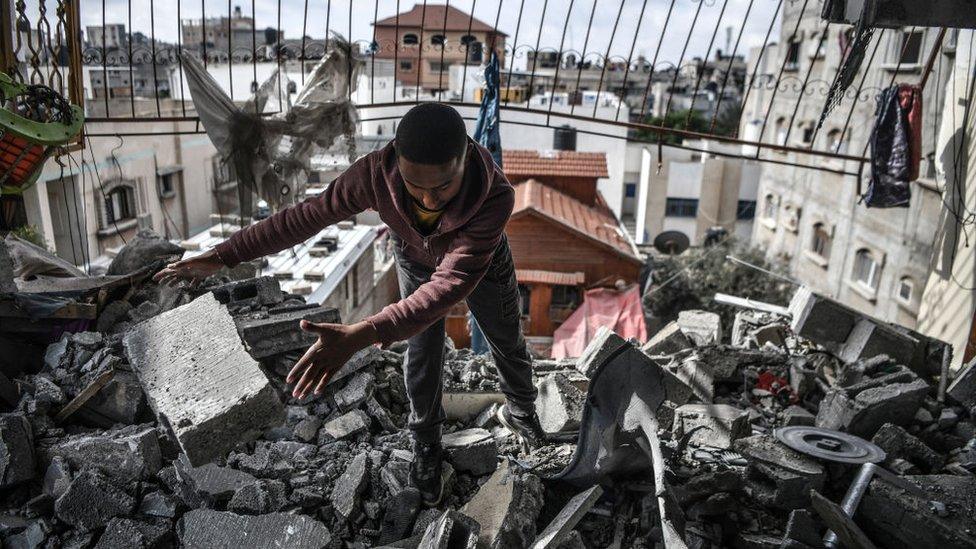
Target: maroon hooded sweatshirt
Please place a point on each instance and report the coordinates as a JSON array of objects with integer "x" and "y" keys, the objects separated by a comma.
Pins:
[{"x": 459, "y": 250}]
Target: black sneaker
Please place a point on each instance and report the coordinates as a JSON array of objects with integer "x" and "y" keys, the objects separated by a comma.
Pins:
[
  {"x": 426, "y": 472},
  {"x": 527, "y": 430}
]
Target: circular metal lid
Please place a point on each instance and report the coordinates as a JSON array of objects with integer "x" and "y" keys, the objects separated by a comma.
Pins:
[{"x": 829, "y": 445}]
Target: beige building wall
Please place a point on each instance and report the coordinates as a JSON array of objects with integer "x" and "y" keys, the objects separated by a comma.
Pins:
[
  {"x": 799, "y": 206},
  {"x": 948, "y": 304}
]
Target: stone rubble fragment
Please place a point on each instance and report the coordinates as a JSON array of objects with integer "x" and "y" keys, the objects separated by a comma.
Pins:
[
  {"x": 506, "y": 506},
  {"x": 668, "y": 341},
  {"x": 16, "y": 450},
  {"x": 559, "y": 404},
  {"x": 91, "y": 501},
  {"x": 281, "y": 332},
  {"x": 862, "y": 409},
  {"x": 779, "y": 476},
  {"x": 200, "y": 381},
  {"x": 452, "y": 530},
  {"x": 205, "y": 528},
  {"x": 356, "y": 391},
  {"x": 209, "y": 484},
  {"x": 559, "y": 529},
  {"x": 349, "y": 486},
  {"x": 963, "y": 386},
  {"x": 701, "y": 327},
  {"x": 599, "y": 350},
  {"x": 471, "y": 450},
  {"x": 346, "y": 425},
  {"x": 128, "y": 454},
  {"x": 717, "y": 425}
]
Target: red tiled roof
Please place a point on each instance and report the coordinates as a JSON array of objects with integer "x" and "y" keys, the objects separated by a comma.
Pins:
[
  {"x": 595, "y": 223},
  {"x": 550, "y": 277},
  {"x": 558, "y": 163},
  {"x": 433, "y": 16}
]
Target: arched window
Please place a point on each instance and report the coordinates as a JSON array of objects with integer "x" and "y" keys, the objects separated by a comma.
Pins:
[
  {"x": 835, "y": 142},
  {"x": 781, "y": 131},
  {"x": 906, "y": 289},
  {"x": 820, "y": 244},
  {"x": 119, "y": 204},
  {"x": 770, "y": 206},
  {"x": 438, "y": 40},
  {"x": 867, "y": 269},
  {"x": 411, "y": 39},
  {"x": 468, "y": 39}
]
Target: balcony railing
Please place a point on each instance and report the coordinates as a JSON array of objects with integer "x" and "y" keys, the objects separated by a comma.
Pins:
[{"x": 696, "y": 67}]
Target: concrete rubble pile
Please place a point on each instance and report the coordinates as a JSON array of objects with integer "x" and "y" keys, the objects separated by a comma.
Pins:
[{"x": 167, "y": 422}]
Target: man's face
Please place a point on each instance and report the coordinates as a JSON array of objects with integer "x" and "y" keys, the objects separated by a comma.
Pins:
[{"x": 432, "y": 185}]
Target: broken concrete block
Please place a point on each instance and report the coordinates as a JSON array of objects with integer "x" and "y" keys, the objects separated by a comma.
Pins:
[
  {"x": 280, "y": 333},
  {"x": 777, "y": 475},
  {"x": 207, "y": 528},
  {"x": 900, "y": 444},
  {"x": 379, "y": 413},
  {"x": 32, "y": 536},
  {"x": 209, "y": 484},
  {"x": 797, "y": 415},
  {"x": 701, "y": 327},
  {"x": 696, "y": 373},
  {"x": 16, "y": 450},
  {"x": 401, "y": 513},
  {"x": 564, "y": 522},
  {"x": 307, "y": 429},
  {"x": 57, "y": 477},
  {"x": 707, "y": 483},
  {"x": 360, "y": 360},
  {"x": 559, "y": 404},
  {"x": 121, "y": 400},
  {"x": 128, "y": 454},
  {"x": 822, "y": 320},
  {"x": 803, "y": 529},
  {"x": 258, "y": 498},
  {"x": 963, "y": 386},
  {"x": 356, "y": 391},
  {"x": 143, "y": 250},
  {"x": 720, "y": 424},
  {"x": 452, "y": 530},
  {"x": 262, "y": 290},
  {"x": 348, "y": 424},
  {"x": 668, "y": 340},
  {"x": 124, "y": 533},
  {"x": 200, "y": 381},
  {"x": 471, "y": 450},
  {"x": 349, "y": 486},
  {"x": 91, "y": 500},
  {"x": 55, "y": 351},
  {"x": 600, "y": 349},
  {"x": 158, "y": 504},
  {"x": 863, "y": 412},
  {"x": 394, "y": 476},
  {"x": 869, "y": 339},
  {"x": 506, "y": 506}
]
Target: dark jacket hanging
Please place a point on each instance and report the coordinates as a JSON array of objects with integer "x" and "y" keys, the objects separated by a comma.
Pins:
[{"x": 896, "y": 144}]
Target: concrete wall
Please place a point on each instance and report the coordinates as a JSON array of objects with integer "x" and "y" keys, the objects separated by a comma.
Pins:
[
  {"x": 792, "y": 200},
  {"x": 949, "y": 301}
]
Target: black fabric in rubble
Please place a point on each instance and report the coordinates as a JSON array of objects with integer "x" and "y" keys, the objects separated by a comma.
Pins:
[{"x": 890, "y": 154}]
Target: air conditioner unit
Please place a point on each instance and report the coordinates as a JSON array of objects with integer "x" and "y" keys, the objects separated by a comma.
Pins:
[{"x": 958, "y": 14}]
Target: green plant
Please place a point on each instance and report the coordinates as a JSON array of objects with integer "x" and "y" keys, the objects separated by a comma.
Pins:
[{"x": 31, "y": 234}]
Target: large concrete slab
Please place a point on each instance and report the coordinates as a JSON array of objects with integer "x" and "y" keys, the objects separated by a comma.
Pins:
[
  {"x": 200, "y": 380},
  {"x": 204, "y": 528}
]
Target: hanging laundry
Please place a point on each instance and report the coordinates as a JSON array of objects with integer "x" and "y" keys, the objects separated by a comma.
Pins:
[{"x": 896, "y": 147}]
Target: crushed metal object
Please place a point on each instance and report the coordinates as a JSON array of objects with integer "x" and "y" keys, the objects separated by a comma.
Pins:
[{"x": 829, "y": 445}]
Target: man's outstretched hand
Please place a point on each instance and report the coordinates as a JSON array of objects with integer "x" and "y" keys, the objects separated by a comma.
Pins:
[
  {"x": 193, "y": 270},
  {"x": 336, "y": 345}
]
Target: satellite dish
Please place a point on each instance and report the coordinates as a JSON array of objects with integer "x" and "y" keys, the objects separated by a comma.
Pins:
[{"x": 671, "y": 242}]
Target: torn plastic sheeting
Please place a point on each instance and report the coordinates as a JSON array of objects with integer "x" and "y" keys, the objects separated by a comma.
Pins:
[
  {"x": 271, "y": 153},
  {"x": 30, "y": 260},
  {"x": 619, "y": 311}
]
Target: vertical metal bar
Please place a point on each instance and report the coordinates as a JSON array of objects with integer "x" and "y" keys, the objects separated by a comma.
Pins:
[
  {"x": 132, "y": 82},
  {"x": 420, "y": 52},
  {"x": 559, "y": 57},
  {"x": 375, "y": 47},
  {"x": 538, "y": 40},
  {"x": 104, "y": 62},
  {"x": 806, "y": 80},
  {"x": 254, "y": 52},
  {"x": 630, "y": 57},
  {"x": 936, "y": 48},
  {"x": 328, "y": 22},
  {"x": 467, "y": 52},
  {"x": 708, "y": 53},
  {"x": 152, "y": 49},
  {"x": 440, "y": 71},
  {"x": 278, "y": 56},
  {"x": 511, "y": 62},
  {"x": 580, "y": 62},
  {"x": 179, "y": 52},
  {"x": 606, "y": 57},
  {"x": 203, "y": 30},
  {"x": 657, "y": 51},
  {"x": 396, "y": 49},
  {"x": 684, "y": 50},
  {"x": 230, "y": 49},
  {"x": 304, "y": 34},
  {"x": 349, "y": 57},
  {"x": 782, "y": 67},
  {"x": 75, "y": 88},
  {"x": 8, "y": 57},
  {"x": 762, "y": 51},
  {"x": 728, "y": 71}
]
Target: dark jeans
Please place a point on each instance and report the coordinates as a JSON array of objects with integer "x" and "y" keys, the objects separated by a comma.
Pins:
[{"x": 495, "y": 305}]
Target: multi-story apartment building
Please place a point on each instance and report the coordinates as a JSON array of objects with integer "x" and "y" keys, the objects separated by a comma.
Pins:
[
  {"x": 426, "y": 40},
  {"x": 875, "y": 260}
]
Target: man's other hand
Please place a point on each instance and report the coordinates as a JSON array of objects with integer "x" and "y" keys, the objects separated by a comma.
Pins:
[
  {"x": 335, "y": 346},
  {"x": 193, "y": 270}
]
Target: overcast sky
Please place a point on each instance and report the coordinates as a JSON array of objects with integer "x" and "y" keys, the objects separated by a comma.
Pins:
[{"x": 571, "y": 15}]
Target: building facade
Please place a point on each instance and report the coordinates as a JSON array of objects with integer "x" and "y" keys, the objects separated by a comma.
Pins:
[{"x": 875, "y": 260}]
